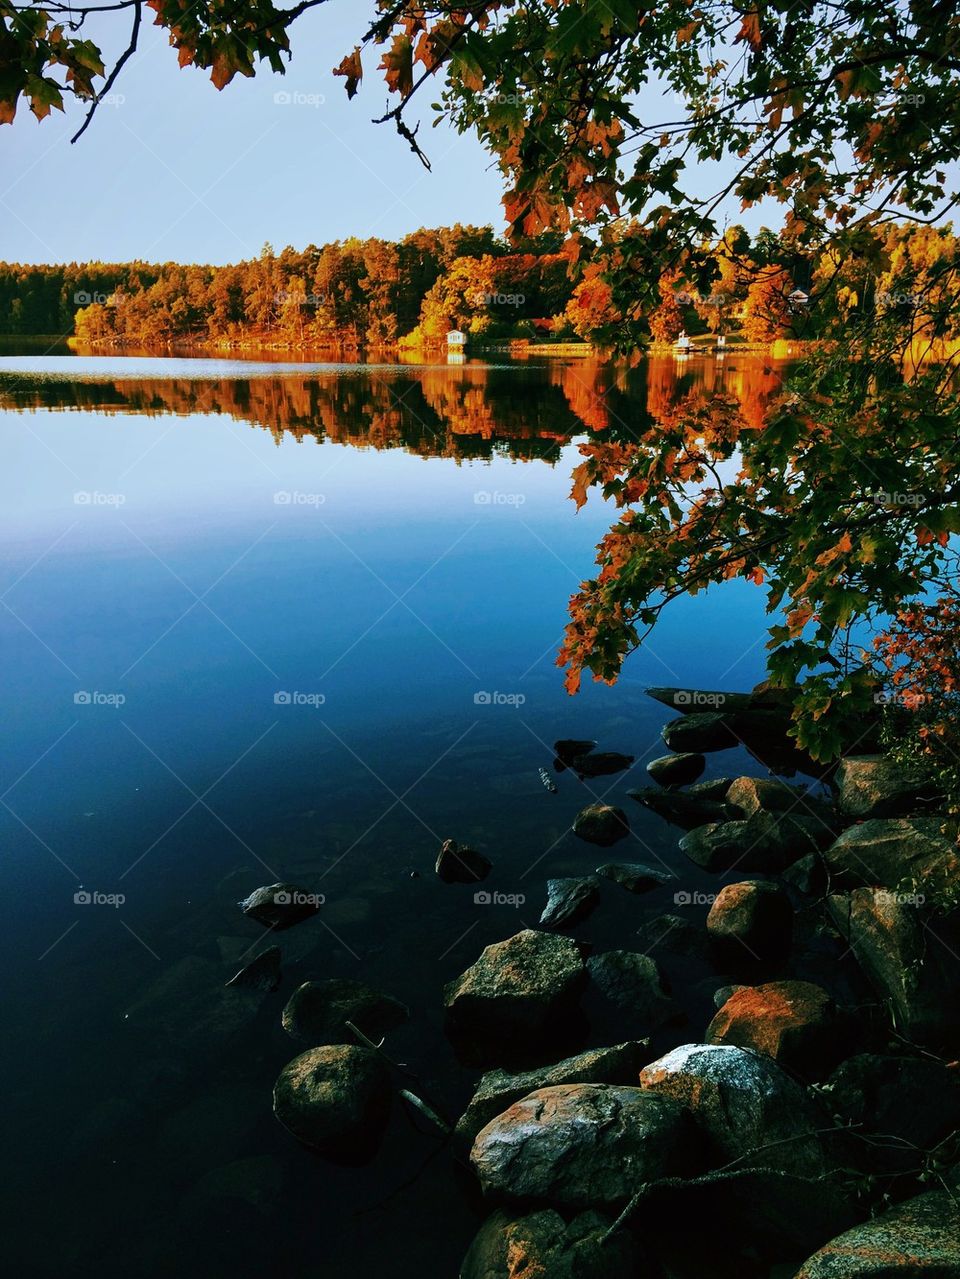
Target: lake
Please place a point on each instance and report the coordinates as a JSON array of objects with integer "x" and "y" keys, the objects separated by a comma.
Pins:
[{"x": 270, "y": 622}]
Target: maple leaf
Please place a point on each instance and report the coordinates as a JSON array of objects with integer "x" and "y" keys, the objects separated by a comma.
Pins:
[{"x": 352, "y": 69}]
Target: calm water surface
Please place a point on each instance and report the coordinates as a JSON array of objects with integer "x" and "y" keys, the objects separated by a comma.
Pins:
[{"x": 268, "y": 622}]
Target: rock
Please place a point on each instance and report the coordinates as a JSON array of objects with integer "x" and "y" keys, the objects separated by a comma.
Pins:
[
  {"x": 677, "y": 770},
  {"x": 916, "y": 1240},
  {"x": 317, "y": 1012},
  {"x": 541, "y": 1245},
  {"x": 279, "y": 906},
  {"x": 721, "y": 996},
  {"x": 808, "y": 875},
  {"x": 568, "y": 902},
  {"x": 335, "y": 1099},
  {"x": 601, "y": 824},
  {"x": 675, "y": 935},
  {"x": 635, "y": 877},
  {"x": 516, "y": 993},
  {"x": 713, "y": 788},
  {"x": 899, "y": 853},
  {"x": 751, "y": 794},
  {"x": 188, "y": 1003},
  {"x": 570, "y": 748},
  {"x": 749, "y": 1109},
  {"x": 457, "y": 864},
  {"x": 499, "y": 1089},
  {"x": 582, "y": 1145},
  {"x": 900, "y": 1105},
  {"x": 701, "y": 731},
  {"x": 763, "y": 842},
  {"x": 601, "y": 764},
  {"x": 875, "y": 786},
  {"x": 909, "y": 955},
  {"x": 684, "y": 808},
  {"x": 262, "y": 973},
  {"x": 794, "y": 1022},
  {"x": 633, "y": 982},
  {"x": 751, "y": 921}
]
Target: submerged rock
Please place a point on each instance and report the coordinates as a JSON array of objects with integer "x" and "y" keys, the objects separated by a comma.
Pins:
[
  {"x": 262, "y": 973},
  {"x": 279, "y": 906},
  {"x": 635, "y": 877},
  {"x": 601, "y": 763},
  {"x": 762, "y": 842},
  {"x": 794, "y": 1022},
  {"x": 675, "y": 935},
  {"x": 517, "y": 992},
  {"x": 582, "y": 1145},
  {"x": 601, "y": 824},
  {"x": 317, "y": 1012},
  {"x": 876, "y": 786},
  {"x": 749, "y": 1109},
  {"x": 457, "y": 864},
  {"x": 542, "y": 1245},
  {"x": 499, "y": 1089},
  {"x": 335, "y": 1099},
  {"x": 677, "y": 770},
  {"x": 633, "y": 982},
  {"x": 568, "y": 902},
  {"x": 570, "y": 748},
  {"x": 918, "y": 1239},
  {"x": 751, "y": 921},
  {"x": 685, "y": 809},
  {"x": 702, "y": 731}
]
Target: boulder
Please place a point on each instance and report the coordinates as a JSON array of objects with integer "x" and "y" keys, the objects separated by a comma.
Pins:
[
  {"x": 262, "y": 973},
  {"x": 713, "y": 788},
  {"x": 770, "y": 795},
  {"x": 317, "y": 1012},
  {"x": 899, "y": 853},
  {"x": 633, "y": 983},
  {"x": 582, "y": 1145},
  {"x": 499, "y": 1089},
  {"x": 876, "y": 786},
  {"x": 601, "y": 824},
  {"x": 700, "y": 732},
  {"x": 635, "y": 877},
  {"x": 675, "y": 935},
  {"x": 600, "y": 763},
  {"x": 335, "y": 1099},
  {"x": 918, "y": 1239},
  {"x": 457, "y": 864},
  {"x": 794, "y": 1022},
  {"x": 751, "y": 921},
  {"x": 542, "y": 1245},
  {"x": 677, "y": 770},
  {"x": 685, "y": 809},
  {"x": 909, "y": 955},
  {"x": 807, "y": 876},
  {"x": 899, "y": 1104},
  {"x": 568, "y": 902},
  {"x": 762, "y": 842},
  {"x": 279, "y": 906},
  {"x": 570, "y": 748},
  {"x": 518, "y": 992},
  {"x": 750, "y": 1110}
]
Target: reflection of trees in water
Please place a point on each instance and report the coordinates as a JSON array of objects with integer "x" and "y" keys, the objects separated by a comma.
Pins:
[{"x": 470, "y": 411}]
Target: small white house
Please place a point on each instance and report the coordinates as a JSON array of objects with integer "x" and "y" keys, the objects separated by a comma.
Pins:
[
  {"x": 456, "y": 340},
  {"x": 798, "y": 299}
]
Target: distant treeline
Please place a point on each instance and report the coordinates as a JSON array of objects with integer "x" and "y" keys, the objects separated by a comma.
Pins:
[{"x": 353, "y": 293}]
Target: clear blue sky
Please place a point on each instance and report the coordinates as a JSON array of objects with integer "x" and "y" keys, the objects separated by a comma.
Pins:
[{"x": 178, "y": 171}]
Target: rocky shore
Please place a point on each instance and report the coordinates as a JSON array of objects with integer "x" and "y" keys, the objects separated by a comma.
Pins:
[{"x": 809, "y": 1129}]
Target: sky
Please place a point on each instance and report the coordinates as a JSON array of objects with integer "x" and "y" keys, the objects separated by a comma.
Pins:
[{"x": 175, "y": 171}]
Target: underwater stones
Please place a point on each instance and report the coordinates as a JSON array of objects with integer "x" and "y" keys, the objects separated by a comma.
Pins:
[
  {"x": 601, "y": 824},
  {"x": 318, "y": 1011},
  {"x": 457, "y": 864},
  {"x": 262, "y": 973},
  {"x": 335, "y": 1099},
  {"x": 677, "y": 770}
]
